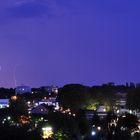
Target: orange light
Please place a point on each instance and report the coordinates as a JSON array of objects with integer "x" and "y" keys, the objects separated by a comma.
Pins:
[
  {"x": 14, "y": 98},
  {"x": 24, "y": 119}
]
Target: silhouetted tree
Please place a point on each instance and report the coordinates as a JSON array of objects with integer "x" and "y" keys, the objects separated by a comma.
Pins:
[
  {"x": 18, "y": 107},
  {"x": 133, "y": 97},
  {"x": 83, "y": 123},
  {"x": 73, "y": 96}
]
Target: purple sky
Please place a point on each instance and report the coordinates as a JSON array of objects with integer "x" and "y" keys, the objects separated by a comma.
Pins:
[{"x": 44, "y": 42}]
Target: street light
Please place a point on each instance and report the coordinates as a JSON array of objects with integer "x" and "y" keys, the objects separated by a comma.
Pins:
[
  {"x": 99, "y": 128},
  {"x": 93, "y": 133}
]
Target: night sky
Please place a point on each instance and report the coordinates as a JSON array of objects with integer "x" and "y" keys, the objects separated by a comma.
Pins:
[{"x": 45, "y": 42}]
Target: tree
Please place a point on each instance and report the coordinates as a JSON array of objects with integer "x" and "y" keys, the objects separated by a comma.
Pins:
[
  {"x": 96, "y": 119},
  {"x": 83, "y": 123},
  {"x": 73, "y": 96},
  {"x": 129, "y": 123},
  {"x": 64, "y": 125},
  {"x": 18, "y": 107},
  {"x": 77, "y": 96},
  {"x": 133, "y": 97}
]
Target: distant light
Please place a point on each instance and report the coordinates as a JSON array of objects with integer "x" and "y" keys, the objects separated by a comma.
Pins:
[
  {"x": 36, "y": 104},
  {"x": 74, "y": 115},
  {"x": 47, "y": 129},
  {"x": 47, "y": 132},
  {"x": 14, "y": 98},
  {"x": 123, "y": 128},
  {"x": 28, "y": 102},
  {"x": 113, "y": 133},
  {"x": 56, "y": 91},
  {"x": 93, "y": 133},
  {"x": 8, "y": 117},
  {"x": 118, "y": 111},
  {"x": 99, "y": 128},
  {"x": 123, "y": 116},
  {"x": 130, "y": 112},
  {"x": 24, "y": 119},
  {"x": 69, "y": 113}
]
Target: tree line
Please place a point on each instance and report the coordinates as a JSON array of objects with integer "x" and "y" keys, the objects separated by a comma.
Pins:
[{"x": 77, "y": 96}]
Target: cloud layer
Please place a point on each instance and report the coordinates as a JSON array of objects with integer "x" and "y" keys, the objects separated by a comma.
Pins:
[{"x": 28, "y": 9}]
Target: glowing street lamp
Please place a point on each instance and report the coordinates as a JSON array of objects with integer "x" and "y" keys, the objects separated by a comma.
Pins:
[
  {"x": 98, "y": 128},
  {"x": 93, "y": 133}
]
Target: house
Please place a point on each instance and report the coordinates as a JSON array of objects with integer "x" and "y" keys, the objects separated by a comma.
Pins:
[
  {"x": 89, "y": 114},
  {"x": 41, "y": 109},
  {"x": 23, "y": 89},
  {"x": 121, "y": 100},
  {"x": 50, "y": 102},
  {"x": 4, "y": 103},
  {"x": 101, "y": 111}
]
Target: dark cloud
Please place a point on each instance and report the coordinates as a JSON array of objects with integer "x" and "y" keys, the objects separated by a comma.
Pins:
[
  {"x": 27, "y": 10},
  {"x": 41, "y": 8}
]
